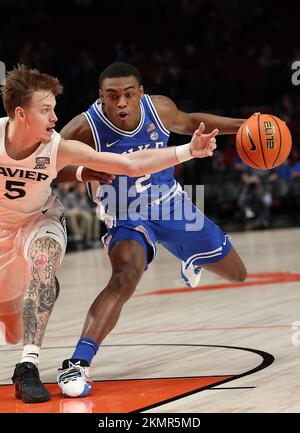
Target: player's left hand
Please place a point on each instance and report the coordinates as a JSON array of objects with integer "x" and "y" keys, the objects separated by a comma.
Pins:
[{"x": 203, "y": 145}]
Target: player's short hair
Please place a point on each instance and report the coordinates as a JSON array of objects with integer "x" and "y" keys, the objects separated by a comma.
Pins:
[
  {"x": 21, "y": 83},
  {"x": 119, "y": 69}
]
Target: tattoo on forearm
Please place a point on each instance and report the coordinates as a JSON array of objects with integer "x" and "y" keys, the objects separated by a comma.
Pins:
[{"x": 40, "y": 294}]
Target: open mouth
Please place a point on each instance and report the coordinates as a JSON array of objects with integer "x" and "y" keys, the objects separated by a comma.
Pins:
[
  {"x": 50, "y": 130},
  {"x": 123, "y": 116}
]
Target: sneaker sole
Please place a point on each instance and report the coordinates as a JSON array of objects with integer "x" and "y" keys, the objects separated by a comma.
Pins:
[
  {"x": 84, "y": 393},
  {"x": 27, "y": 399}
]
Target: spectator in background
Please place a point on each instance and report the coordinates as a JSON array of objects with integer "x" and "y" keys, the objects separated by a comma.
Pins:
[
  {"x": 294, "y": 186},
  {"x": 287, "y": 109},
  {"x": 255, "y": 199},
  {"x": 82, "y": 223},
  {"x": 65, "y": 193},
  {"x": 84, "y": 217}
]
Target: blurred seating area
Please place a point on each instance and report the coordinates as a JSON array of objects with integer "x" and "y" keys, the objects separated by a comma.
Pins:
[
  {"x": 83, "y": 227},
  {"x": 238, "y": 197}
]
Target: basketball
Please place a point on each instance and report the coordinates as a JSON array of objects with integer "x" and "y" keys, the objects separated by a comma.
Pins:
[{"x": 263, "y": 141}]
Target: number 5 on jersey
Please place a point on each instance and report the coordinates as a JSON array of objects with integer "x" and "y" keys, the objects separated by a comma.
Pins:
[{"x": 13, "y": 187}]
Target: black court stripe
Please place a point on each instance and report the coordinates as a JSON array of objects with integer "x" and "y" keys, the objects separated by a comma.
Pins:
[
  {"x": 267, "y": 360},
  {"x": 261, "y": 146},
  {"x": 279, "y": 141},
  {"x": 245, "y": 149},
  {"x": 232, "y": 387}
]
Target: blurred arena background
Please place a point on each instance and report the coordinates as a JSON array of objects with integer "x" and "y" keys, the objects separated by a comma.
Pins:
[{"x": 228, "y": 58}]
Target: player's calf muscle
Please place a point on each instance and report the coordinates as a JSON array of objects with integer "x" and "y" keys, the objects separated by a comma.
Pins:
[{"x": 39, "y": 298}]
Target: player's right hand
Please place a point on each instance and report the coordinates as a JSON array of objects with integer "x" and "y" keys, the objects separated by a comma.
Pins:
[
  {"x": 89, "y": 175},
  {"x": 203, "y": 145}
]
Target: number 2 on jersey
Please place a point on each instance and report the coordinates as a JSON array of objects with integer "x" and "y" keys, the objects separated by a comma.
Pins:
[{"x": 138, "y": 183}]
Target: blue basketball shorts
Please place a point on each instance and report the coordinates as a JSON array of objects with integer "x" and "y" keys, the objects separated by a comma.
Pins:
[{"x": 182, "y": 229}]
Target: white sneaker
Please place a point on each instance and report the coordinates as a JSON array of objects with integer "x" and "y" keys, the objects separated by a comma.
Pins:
[
  {"x": 191, "y": 275},
  {"x": 73, "y": 380}
]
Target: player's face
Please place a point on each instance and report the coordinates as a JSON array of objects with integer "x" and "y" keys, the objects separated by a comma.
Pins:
[
  {"x": 39, "y": 116},
  {"x": 121, "y": 101}
]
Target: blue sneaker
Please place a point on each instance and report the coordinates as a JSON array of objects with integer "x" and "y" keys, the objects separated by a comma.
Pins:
[
  {"x": 72, "y": 378},
  {"x": 191, "y": 275}
]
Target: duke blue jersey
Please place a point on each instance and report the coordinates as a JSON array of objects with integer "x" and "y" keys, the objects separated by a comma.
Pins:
[
  {"x": 150, "y": 133},
  {"x": 188, "y": 234}
]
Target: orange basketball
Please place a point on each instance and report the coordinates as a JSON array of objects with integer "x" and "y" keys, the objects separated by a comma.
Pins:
[{"x": 263, "y": 141}]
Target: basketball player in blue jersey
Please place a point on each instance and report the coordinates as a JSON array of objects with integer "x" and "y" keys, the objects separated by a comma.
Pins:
[{"x": 124, "y": 120}]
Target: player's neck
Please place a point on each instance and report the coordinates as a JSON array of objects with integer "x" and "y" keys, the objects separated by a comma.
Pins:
[{"x": 18, "y": 143}]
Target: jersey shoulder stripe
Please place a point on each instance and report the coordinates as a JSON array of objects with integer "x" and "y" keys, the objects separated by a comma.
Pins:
[
  {"x": 94, "y": 130},
  {"x": 155, "y": 115}
]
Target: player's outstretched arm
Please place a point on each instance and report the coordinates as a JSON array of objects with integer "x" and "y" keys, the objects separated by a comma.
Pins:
[
  {"x": 201, "y": 146},
  {"x": 72, "y": 152},
  {"x": 78, "y": 129},
  {"x": 68, "y": 174},
  {"x": 185, "y": 123},
  {"x": 181, "y": 122}
]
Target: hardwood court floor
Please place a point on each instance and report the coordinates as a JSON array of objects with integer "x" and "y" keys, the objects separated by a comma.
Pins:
[{"x": 218, "y": 348}]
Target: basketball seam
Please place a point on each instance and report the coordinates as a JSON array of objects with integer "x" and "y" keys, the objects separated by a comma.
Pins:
[
  {"x": 261, "y": 146},
  {"x": 245, "y": 150},
  {"x": 279, "y": 142}
]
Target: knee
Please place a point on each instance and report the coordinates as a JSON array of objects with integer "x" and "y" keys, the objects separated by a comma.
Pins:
[
  {"x": 44, "y": 256},
  {"x": 128, "y": 275},
  {"x": 124, "y": 279}
]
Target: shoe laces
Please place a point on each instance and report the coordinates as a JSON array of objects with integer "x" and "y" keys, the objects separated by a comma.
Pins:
[{"x": 74, "y": 372}]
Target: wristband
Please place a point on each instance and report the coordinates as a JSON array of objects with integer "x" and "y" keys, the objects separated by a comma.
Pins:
[
  {"x": 183, "y": 152},
  {"x": 79, "y": 173}
]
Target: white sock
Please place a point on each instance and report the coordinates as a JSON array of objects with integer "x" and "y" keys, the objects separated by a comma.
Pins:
[{"x": 31, "y": 353}]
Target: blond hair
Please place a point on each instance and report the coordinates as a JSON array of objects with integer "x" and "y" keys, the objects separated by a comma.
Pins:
[{"x": 21, "y": 83}]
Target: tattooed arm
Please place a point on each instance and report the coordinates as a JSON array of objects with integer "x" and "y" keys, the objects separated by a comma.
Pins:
[{"x": 39, "y": 299}]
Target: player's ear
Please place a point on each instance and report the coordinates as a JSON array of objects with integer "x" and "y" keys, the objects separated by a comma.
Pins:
[
  {"x": 100, "y": 95},
  {"x": 141, "y": 91},
  {"x": 19, "y": 113}
]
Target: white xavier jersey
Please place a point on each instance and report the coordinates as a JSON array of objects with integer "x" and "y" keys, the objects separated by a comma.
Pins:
[{"x": 25, "y": 184}]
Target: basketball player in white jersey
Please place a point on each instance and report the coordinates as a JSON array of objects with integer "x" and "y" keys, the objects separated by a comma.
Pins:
[{"x": 32, "y": 229}]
